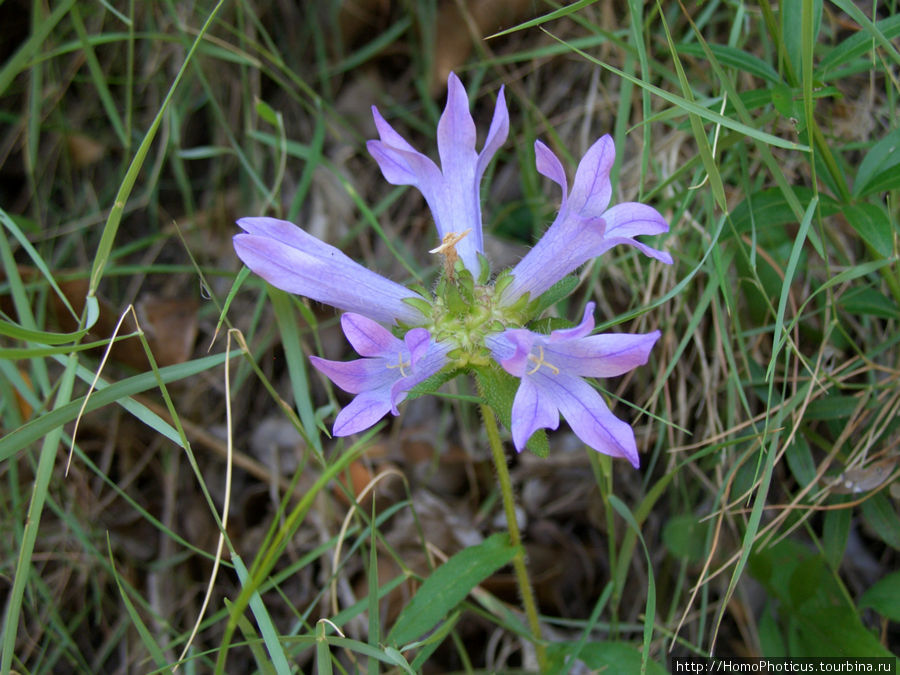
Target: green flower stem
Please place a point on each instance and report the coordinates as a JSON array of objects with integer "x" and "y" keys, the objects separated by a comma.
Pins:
[{"x": 515, "y": 538}]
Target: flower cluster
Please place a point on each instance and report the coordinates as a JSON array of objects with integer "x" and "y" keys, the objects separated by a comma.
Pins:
[{"x": 470, "y": 321}]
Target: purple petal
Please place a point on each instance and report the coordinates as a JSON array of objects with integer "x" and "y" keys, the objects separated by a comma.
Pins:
[
  {"x": 591, "y": 420},
  {"x": 581, "y": 330},
  {"x": 400, "y": 166},
  {"x": 451, "y": 192},
  {"x": 294, "y": 261},
  {"x": 592, "y": 189},
  {"x": 532, "y": 409},
  {"x": 369, "y": 338},
  {"x": 362, "y": 412},
  {"x": 497, "y": 134},
  {"x": 416, "y": 341},
  {"x": 548, "y": 165},
  {"x": 662, "y": 256},
  {"x": 388, "y": 135},
  {"x": 630, "y": 219},
  {"x": 355, "y": 376},
  {"x": 421, "y": 369},
  {"x": 456, "y": 131},
  {"x": 511, "y": 349},
  {"x": 606, "y": 355},
  {"x": 567, "y": 244}
]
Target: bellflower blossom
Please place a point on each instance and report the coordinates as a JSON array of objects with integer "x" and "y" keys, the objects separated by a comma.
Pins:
[
  {"x": 297, "y": 262},
  {"x": 391, "y": 368},
  {"x": 468, "y": 322},
  {"x": 452, "y": 192},
  {"x": 551, "y": 368},
  {"x": 584, "y": 227}
]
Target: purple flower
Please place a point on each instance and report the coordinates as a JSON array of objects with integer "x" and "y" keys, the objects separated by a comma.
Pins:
[
  {"x": 584, "y": 227},
  {"x": 552, "y": 368},
  {"x": 381, "y": 380},
  {"x": 452, "y": 191},
  {"x": 297, "y": 262}
]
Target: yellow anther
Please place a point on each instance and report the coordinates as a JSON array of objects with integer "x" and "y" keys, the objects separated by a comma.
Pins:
[
  {"x": 401, "y": 364},
  {"x": 448, "y": 249},
  {"x": 539, "y": 361}
]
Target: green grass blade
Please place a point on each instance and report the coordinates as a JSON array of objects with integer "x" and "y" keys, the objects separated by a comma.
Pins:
[
  {"x": 35, "y": 429},
  {"x": 550, "y": 16},
  {"x": 691, "y": 106},
  {"x": 789, "y": 275},
  {"x": 864, "y": 21},
  {"x": 35, "y": 508},
  {"x": 30, "y": 48},
  {"x": 146, "y": 637},
  {"x": 264, "y": 621},
  {"x": 111, "y": 228}
]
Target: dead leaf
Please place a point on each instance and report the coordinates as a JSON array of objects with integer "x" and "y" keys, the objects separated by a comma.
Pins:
[
  {"x": 84, "y": 150},
  {"x": 169, "y": 325},
  {"x": 25, "y": 408},
  {"x": 863, "y": 479},
  {"x": 454, "y": 38}
]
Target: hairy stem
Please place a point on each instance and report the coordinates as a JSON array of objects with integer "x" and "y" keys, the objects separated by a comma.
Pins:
[{"x": 515, "y": 537}]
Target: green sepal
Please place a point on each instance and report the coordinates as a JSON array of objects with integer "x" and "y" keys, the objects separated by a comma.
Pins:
[
  {"x": 554, "y": 294},
  {"x": 484, "y": 267},
  {"x": 453, "y": 299},
  {"x": 466, "y": 283},
  {"x": 420, "y": 289},
  {"x": 503, "y": 280},
  {"x": 549, "y": 324},
  {"x": 433, "y": 383},
  {"x": 420, "y": 304},
  {"x": 499, "y": 389}
]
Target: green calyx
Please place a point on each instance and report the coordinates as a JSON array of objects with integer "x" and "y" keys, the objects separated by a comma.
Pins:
[{"x": 464, "y": 312}]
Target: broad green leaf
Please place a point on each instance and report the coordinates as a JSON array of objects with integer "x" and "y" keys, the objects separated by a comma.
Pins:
[
  {"x": 879, "y": 169},
  {"x": 836, "y": 631},
  {"x": 813, "y": 609},
  {"x": 884, "y": 596},
  {"x": 735, "y": 58},
  {"x": 873, "y": 224},
  {"x": 499, "y": 389},
  {"x": 555, "y": 293},
  {"x": 869, "y": 302},
  {"x": 831, "y": 407},
  {"x": 801, "y": 462},
  {"x": 771, "y": 636},
  {"x": 432, "y": 384},
  {"x": 609, "y": 658},
  {"x": 267, "y": 113},
  {"x": 768, "y": 209},
  {"x": 785, "y": 102},
  {"x": 685, "y": 537},
  {"x": 449, "y": 585},
  {"x": 881, "y": 515},
  {"x": 835, "y": 531},
  {"x": 791, "y": 30},
  {"x": 857, "y": 45}
]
